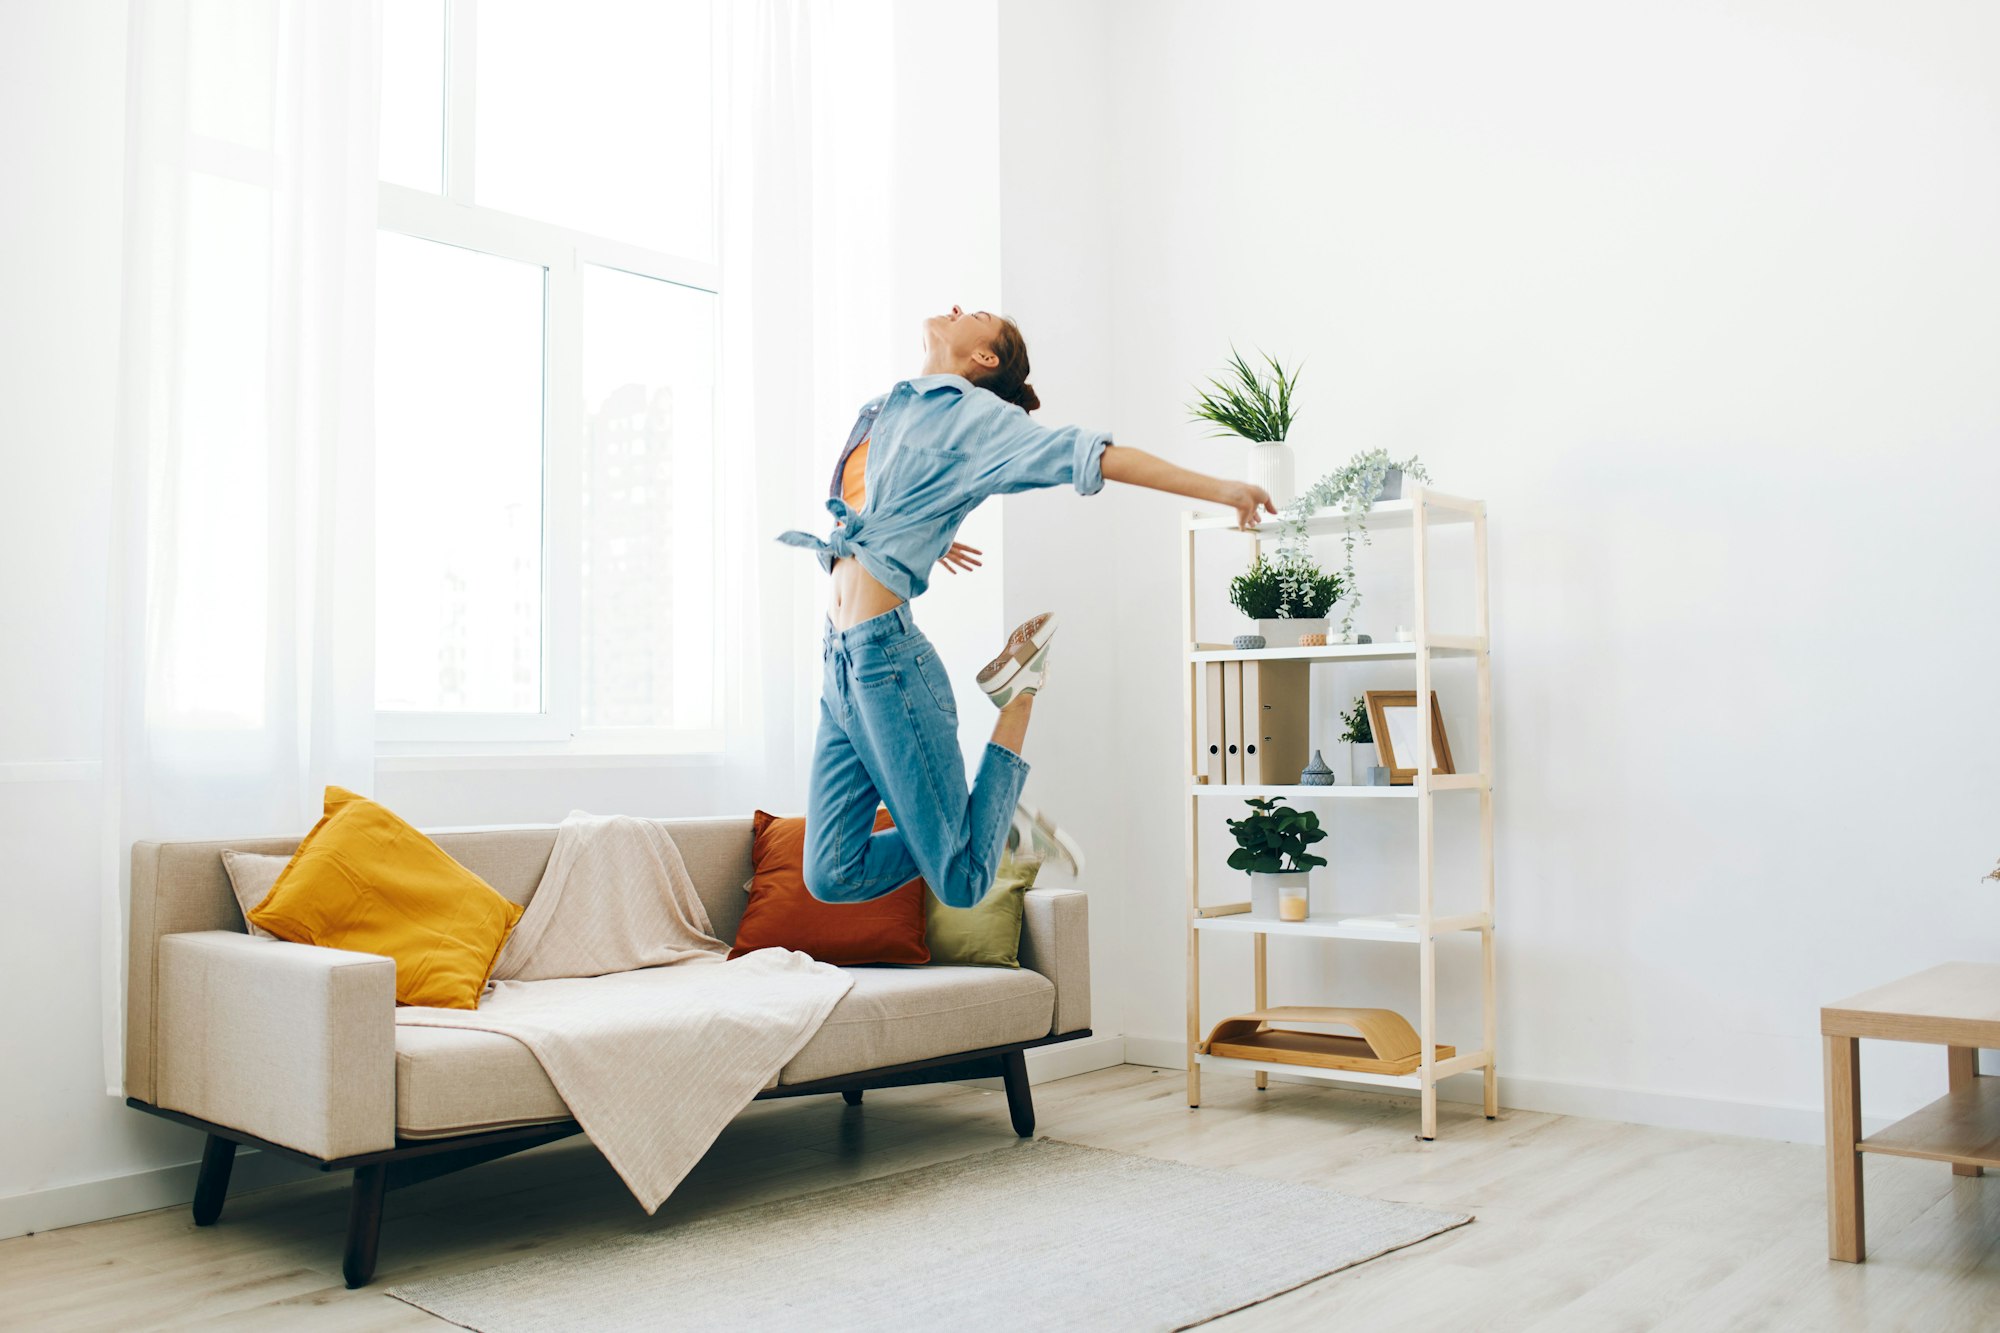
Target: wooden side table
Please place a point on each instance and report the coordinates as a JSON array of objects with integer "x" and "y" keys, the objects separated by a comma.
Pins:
[{"x": 1954, "y": 1005}]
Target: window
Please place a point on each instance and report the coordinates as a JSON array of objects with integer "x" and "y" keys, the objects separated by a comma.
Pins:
[{"x": 546, "y": 539}]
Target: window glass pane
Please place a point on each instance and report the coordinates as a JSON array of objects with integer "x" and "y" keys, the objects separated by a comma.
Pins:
[
  {"x": 595, "y": 115},
  {"x": 231, "y": 46},
  {"x": 648, "y": 502},
  {"x": 209, "y": 630},
  {"x": 412, "y": 144},
  {"x": 458, "y": 479}
]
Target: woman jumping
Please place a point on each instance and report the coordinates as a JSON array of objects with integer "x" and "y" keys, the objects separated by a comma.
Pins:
[{"x": 919, "y": 459}]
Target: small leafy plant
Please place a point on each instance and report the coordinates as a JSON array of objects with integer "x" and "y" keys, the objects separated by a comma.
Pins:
[
  {"x": 1293, "y": 587},
  {"x": 1355, "y": 719},
  {"x": 1273, "y": 840},
  {"x": 1353, "y": 488},
  {"x": 1244, "y": 403}
]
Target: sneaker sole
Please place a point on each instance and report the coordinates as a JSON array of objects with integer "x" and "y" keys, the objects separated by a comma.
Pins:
[{"x": 1000, "y": 673}]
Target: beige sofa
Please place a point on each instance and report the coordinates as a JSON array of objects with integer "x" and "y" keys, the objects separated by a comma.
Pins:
[{"x": 296, "y": 1050}]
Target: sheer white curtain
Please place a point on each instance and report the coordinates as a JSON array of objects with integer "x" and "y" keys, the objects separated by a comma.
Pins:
[
  {"x": 240, "y": 646},
  {"x": 806, "y": 338}
]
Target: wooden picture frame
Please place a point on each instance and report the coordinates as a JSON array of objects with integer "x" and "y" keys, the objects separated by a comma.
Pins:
[{"x": 1402, "y": 774}]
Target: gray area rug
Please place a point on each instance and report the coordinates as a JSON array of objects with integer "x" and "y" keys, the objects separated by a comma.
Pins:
[{"x": 1040, "y": 1235}]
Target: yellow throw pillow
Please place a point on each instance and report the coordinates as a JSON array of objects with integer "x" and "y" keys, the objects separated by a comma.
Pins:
[{"x": 365, "y": 880}]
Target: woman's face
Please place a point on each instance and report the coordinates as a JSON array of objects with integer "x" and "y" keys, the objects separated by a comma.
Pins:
[{"x": 965, "y": 340}]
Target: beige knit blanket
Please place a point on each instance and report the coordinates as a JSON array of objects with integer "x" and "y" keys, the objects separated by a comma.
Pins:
[{"x": 614, "y": 979}]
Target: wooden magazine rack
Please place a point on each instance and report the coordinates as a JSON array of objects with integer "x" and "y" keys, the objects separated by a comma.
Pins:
[{"x": 1387, "y": 1044}]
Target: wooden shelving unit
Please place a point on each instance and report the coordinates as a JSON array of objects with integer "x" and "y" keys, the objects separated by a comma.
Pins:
[{"x": 1419, "y": 510}]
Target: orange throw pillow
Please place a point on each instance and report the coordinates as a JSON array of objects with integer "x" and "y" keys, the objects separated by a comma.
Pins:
[
  {"x": 364, "y": 879},
  {"x": 782, "y": 914}
]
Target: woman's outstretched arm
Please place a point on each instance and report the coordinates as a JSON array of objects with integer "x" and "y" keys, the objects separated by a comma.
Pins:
[{"x": 1136, "y": 467}]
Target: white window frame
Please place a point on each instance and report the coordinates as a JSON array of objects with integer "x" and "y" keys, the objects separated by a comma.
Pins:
[{"x": 562, "y": 252}]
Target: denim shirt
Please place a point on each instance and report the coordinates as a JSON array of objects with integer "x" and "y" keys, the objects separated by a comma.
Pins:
[{"x": 937, "y": 446}]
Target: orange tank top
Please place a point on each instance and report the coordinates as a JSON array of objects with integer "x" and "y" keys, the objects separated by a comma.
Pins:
[{"x": 854, "y": 477}]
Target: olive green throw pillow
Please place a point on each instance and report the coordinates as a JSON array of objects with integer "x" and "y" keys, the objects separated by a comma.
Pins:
[{"x": 990, "y": 933}]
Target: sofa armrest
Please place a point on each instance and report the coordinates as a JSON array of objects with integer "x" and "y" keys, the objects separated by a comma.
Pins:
[
  {"x": 288, "y": 1042},
  {"x": 1055, "y": 941}
]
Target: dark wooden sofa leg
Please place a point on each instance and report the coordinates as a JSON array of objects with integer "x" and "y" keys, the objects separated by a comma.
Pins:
[
  {"x": 218, "y": 1155},
  {"x": 852, "y": 1096},
  {"x": 1020, "y": 1101},
  {"x": 364, "y": 1223}
]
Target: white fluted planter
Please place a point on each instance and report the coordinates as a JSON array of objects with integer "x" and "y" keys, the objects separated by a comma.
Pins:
[{"x": 1271, "y": 468}]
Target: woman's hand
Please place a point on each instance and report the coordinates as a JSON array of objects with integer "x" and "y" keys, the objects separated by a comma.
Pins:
[
  {"x": 1244, "y": 499},
  {"x": 959, "y": 557}
]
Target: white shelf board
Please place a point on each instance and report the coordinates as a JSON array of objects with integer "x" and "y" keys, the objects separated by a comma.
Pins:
[
  {"x": 1340, "y": 791},
  {"x": 1310, "y": 1071},
  {"x": 1329, "y": 927},
  {"x": 1332, "y": 652},
  {"x": 1385, "y": 516},
  {"x": 1470, "y": 1062}
]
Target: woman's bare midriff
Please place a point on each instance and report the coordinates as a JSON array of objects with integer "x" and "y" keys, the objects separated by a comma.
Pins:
[{"x": 857, "y": 595}]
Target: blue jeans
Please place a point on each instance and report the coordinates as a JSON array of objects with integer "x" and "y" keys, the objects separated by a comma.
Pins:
[{"x": 888, "y": 733}]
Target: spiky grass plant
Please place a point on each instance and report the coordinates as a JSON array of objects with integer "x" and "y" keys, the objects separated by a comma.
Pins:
[{"x": 1245, "y": 403}]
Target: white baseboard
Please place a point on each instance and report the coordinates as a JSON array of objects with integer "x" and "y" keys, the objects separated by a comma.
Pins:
[
  {"x": 1714, "y": 1115},
  {"x": 139, "y": 1192}
]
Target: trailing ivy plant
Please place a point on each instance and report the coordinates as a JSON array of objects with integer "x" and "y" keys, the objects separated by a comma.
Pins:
[
  {"x": 1244, "y": 403},
  {"x": 1352, "y": 488},
  {"x": 1273, "y": 840},
  {"x": 1293, "y": 587},
  {"x": 1356, "y": 720}
]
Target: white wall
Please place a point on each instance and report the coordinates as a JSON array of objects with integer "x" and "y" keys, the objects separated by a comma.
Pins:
[{"x": 1699, "y": 298}]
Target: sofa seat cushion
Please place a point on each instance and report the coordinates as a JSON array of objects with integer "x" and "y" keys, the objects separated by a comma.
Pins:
[
  {"x": 895, "y": 1014},
  {"x": 461, "y": 1080}
]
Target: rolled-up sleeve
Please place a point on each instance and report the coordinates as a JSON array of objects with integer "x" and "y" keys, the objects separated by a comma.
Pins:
[{"x": 1024, "y": 455}]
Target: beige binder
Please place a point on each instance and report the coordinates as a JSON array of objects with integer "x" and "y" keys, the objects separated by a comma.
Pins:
[
  {"x": 1275, "y": 721},
  {"x": 1210, "y": 764},
  {"x": 1232, "y": 723}
]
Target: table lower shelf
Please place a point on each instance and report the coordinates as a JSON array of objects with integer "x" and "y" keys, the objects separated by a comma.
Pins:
[
  {"x": 1458, "y": 1064},
  {"x": 1961, "y": 1127}
]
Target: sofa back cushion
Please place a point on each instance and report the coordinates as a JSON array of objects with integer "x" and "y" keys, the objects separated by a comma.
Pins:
[
  {"x": 181, "y": 886},
  {"x": 782, "y": 914}
]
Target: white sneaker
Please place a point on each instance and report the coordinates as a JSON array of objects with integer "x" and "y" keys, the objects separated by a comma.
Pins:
[
  {"x": 1023, "y": 665},
  {"x": 1035, "y": 834}
]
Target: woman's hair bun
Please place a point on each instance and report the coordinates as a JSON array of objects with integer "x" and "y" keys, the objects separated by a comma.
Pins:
[{"x": 1025, "y": 396}]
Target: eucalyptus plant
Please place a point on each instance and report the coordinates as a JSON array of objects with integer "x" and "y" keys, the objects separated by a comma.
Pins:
[
  {"x": 1351, "y": 487},
  {"x": 1355, "y": 721},
  {"x": 1273, "y": 840},
  {"x": 1292, "y": 587},
  {"x": 1245, "y": 403}
]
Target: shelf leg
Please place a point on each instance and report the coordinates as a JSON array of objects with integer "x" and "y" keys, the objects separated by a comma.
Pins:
[
  {"x": 1844, "y": 1231},
  {"x": 1194, "y": 1016},
  {"x": 1492, "y": 1070},
  {"x": 1963, "y": 1064},
  {"x": 1263, "y": 1079}
]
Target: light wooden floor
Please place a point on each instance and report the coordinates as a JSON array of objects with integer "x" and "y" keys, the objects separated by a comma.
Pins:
[{"x": 1582, "y": 1224}]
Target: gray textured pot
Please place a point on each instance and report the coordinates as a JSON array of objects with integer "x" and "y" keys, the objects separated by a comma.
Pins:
[{"x": 1392, "y": 484}]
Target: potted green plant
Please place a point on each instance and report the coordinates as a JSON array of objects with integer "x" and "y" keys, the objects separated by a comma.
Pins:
[
  {"x": 1354, "y": 488},
  {"x": 1243, "y": 403},
  {"x": 1271, "y": 845},
  {"x": 1287, "y": 597},
  {"x": 1361, "y": 754}
]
